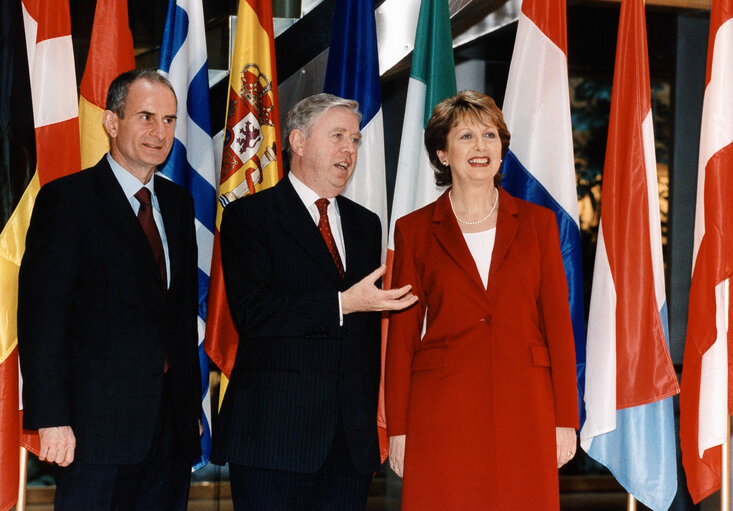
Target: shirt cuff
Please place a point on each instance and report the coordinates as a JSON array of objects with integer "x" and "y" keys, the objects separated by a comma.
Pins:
[{"x": 341, "y": 312}]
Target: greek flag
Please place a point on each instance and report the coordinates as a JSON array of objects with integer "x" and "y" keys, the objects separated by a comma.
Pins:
[{"x": 191, "y": 162}]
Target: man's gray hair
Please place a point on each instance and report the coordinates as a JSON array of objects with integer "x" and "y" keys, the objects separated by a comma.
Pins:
[
  {"x": 305, "y": 112},
  {"x": 120, "y": 87}
]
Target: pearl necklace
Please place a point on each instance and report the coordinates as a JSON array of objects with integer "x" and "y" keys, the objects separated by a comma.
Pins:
[{"x": 475, "y": 222}]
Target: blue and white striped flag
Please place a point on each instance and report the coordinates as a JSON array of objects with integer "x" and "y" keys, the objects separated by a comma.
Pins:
[
  {"x": 191, "y": 162},
  {"x": 353, "y": 73}
]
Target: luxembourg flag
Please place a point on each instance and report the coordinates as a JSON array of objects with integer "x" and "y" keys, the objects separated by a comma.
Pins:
[
  {"x": 705, "y": 400},
  {"x": 353, "y": 73},
  {"x": 630, "y": 380},
  {"x": 540, "y": 165},
  {"x": 191, "y": 162}
]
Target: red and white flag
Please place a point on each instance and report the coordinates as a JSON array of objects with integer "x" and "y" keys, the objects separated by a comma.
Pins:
[
  {"x": 705, "y": 401},
  {"x": 56, "y": 120}
]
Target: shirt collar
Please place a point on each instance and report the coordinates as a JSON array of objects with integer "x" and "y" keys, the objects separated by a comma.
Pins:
[
  {"x": 129, "y": 183},
  {"x": 308, "y": 196}
]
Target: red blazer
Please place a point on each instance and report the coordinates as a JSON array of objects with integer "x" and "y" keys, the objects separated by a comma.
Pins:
[{"x": 480, "y": 395}]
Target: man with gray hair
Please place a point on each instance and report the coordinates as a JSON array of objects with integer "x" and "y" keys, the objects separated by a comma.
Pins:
[
  {"x": 107, "y": 316},
  {"x": 301, "y": 263}
]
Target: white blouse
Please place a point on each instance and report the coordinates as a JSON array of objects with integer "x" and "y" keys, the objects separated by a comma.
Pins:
[{"x": 481, "y": 244}]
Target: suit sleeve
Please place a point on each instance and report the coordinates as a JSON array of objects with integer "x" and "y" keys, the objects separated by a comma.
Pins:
[
  {"x": 259, "y": 307},
  {"x": 558, "y": 330},
  {"x": 45, "y": 290},
  {"x": 405, "y": 329}
]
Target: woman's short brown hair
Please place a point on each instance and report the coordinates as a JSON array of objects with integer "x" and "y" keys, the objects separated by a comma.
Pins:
[{"x": 467, "y": 104}]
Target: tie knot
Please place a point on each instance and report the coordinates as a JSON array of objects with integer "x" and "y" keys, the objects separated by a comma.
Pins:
[
  {"x": 143, "y": 195},
  {"x": 322, "y": 205}
]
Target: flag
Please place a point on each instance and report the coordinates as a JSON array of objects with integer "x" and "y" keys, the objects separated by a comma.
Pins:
[
  {"x": 110, "y": 53},
  {"x": 705, "y": 399},
  {"x": 630, "y": 379},
  {"x": 352, "y": 72},
  {"x": 191, "y": 161},
  {"x": 540, "y": 165},
  {"x": 55, "y": 119},
  {"x": 432, "y": 79},
  {"x": 251, "y": 160}
]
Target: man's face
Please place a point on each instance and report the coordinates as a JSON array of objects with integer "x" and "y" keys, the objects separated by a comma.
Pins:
[
  {"x": 327, "y": 155},
  {"x": 141, "y": 140}
]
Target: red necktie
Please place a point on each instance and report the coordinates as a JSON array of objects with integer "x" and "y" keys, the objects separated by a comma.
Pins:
[
  {"x": 145, "y": 216},
  {"x": 325, "y": 227}
]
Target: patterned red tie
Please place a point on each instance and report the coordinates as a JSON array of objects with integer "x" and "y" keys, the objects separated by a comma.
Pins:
[
  {"x": 145, "y": 216},
  {"x": 325, "y": 227}
]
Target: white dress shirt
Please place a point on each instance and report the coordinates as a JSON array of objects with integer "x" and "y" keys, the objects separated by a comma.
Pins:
[
  {"x": 309, "y": 198},
  {"x": 130, "y": 186}
]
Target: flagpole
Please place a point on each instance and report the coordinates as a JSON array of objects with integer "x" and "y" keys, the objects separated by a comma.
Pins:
[
  {"x": 725, "y": 455},
  {"x": 630, "y": 502},
  {"x": 23, "y": 479}
]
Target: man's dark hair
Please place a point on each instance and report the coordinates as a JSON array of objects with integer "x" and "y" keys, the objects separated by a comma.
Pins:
[{"x": 120, "y": 86}]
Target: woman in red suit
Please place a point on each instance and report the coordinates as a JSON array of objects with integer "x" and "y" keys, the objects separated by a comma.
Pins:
[{"x": 481, "y": 408}]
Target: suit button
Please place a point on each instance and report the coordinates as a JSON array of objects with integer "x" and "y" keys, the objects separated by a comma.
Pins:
[{"x": 486, "y": 318}]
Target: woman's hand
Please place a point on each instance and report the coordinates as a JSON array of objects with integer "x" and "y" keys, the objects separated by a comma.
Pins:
[
  {"x": 566, "y": 443},
  {"x": 397, "y": 453}
]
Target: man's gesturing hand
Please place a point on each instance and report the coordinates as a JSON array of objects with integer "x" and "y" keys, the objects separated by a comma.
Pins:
[
  {"x": 57, "y": 445},
  {"x": 365, "y": 296}
]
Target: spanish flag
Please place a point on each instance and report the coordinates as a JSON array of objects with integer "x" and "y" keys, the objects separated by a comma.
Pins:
[
  {"x": 252, "y": 158},
  {"x": 56, "y": 125},
  {"x": 110, "y": 53}
]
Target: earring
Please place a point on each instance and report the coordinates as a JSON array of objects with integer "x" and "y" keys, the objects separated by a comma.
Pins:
[{"x": 445, "y": 163}]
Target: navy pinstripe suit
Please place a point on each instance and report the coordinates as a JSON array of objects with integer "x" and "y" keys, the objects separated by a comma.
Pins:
[{"x": 297, "y": 370}]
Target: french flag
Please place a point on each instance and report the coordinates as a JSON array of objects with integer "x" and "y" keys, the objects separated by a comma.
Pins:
[
  {"x": 705, "y": 401},
  {"x": 630, "y": 379},
  {"x": 540, "y": 165},
  {"x": 352, "y": 72},
  {"x": 191, "y": 162}
]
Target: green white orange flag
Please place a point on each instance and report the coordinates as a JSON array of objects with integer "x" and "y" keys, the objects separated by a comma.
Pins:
[
  {"x": 252, "y": 159},
  {"x": 432, "y": 79},
  {"x": 111, "y": 52},
  {"x": 55, "y": 117}
]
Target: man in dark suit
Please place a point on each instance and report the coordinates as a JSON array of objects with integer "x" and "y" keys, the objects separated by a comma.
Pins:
[
  {"x": 107, "y": 316},
  {"x": 298, "y": 422}
]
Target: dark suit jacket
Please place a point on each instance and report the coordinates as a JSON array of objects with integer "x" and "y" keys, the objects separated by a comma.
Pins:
[
  {"x": 94, "y": 323},
  {"x": 296, "y": 369}
]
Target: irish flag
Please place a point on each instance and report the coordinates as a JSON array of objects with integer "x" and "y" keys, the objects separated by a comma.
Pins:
[{"x": 432, "y": 79}]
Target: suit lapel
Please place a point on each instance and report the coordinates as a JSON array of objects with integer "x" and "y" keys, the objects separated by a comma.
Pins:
[
  {"x": 506, "y": 230},
  {"x": 298, "y": 223},
  {"x": 350, "y": 230},
  {"x": 115, "y": 206},
  {"x": 450, "y": 237},
  {"x": 173, "y": 233}
]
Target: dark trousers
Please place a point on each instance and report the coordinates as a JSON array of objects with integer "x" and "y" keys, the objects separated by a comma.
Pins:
[
  {"x": 158, "y": 483},
  {"x": 336, "y": 486}
]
